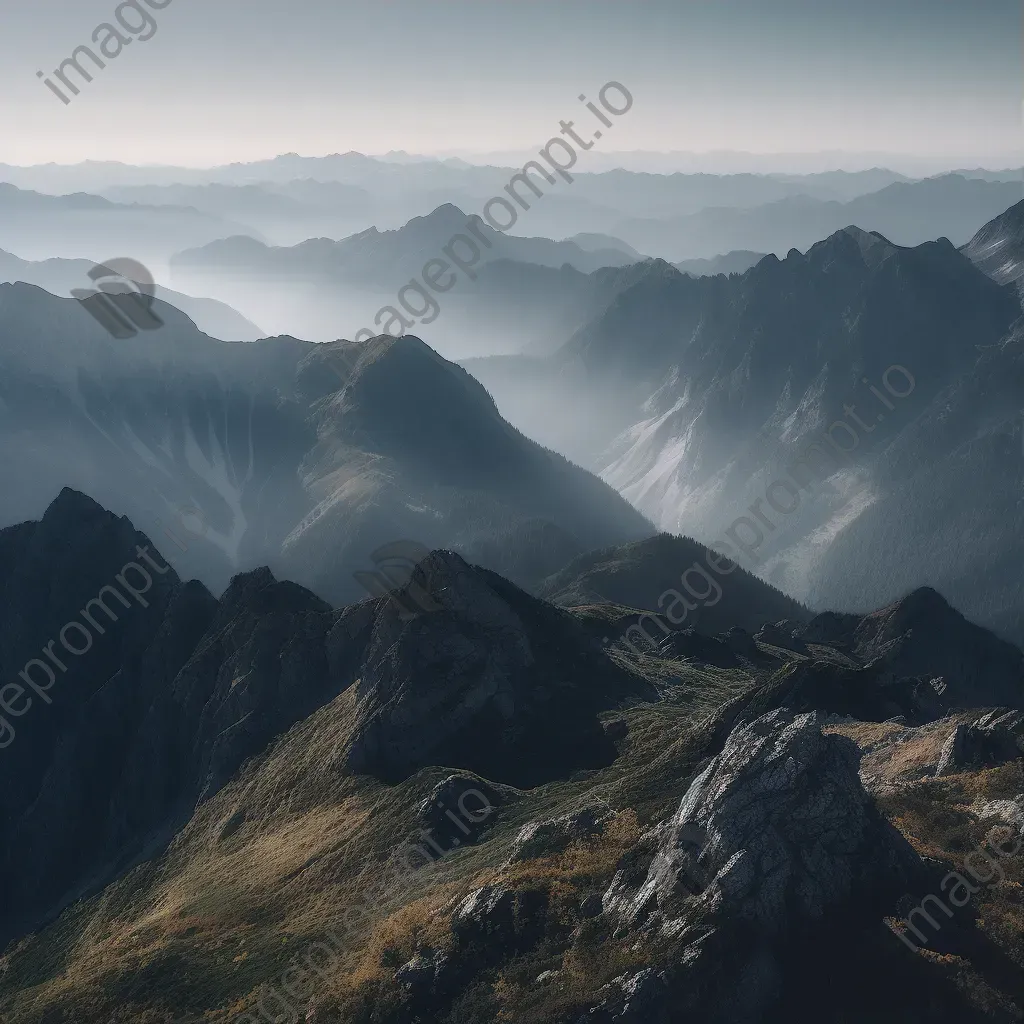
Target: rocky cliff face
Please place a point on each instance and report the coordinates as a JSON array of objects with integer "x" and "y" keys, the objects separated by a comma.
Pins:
[
  {"x": 775, "y": 840},
  {"x": 173, "y": 692}
]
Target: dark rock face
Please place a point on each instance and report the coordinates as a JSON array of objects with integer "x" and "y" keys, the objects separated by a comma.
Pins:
[
  {"x": 641, "y": 998},
  {"x": 425, "y": 976},
  {"x": 780, "y": 634},
  {"x": 990, "y": 741},
  {"x": 495, "y": 923},
  {"x": 60, "y": 582},
  {"x": 174, "y": 692},
  {"x": 493, "y": 681},
  {"x": 775, "y": 840}
]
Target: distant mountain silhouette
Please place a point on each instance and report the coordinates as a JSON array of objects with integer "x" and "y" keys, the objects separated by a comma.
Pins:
[
  {"x": 59, "y": 277},
  {"x": 909, "y": 213},
  {"x": 37, "y": 227},
  {"x": 728, "y": 263},
  {"x": 322, "y": 288}
]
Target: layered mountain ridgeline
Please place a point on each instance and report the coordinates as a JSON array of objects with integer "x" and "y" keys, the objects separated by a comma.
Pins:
[
  {"x": 140, "y": 695},
  {"x": 322, "y": 286},
  {"x": 239, "y": 810},
  {"x": 37, "y": 227},
  {"x": 736, "y": 262},
  {"x": 284, "y": 213},
  {"x": 305, "y": 457},
  {"x": 908, "y": 212},
  {"x": 811, "y": 398},
  {"x": 59, "y": 277}
]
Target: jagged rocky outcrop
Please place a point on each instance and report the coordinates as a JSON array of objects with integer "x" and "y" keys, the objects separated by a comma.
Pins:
[
  {"x": 774, "y": 840},
  {"x": 492, "y": 680},
  {"x": 991, "y": 740}
]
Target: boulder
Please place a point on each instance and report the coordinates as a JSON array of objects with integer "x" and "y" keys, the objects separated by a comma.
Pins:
[
  {"x": 458, "y": 810},
  {"x": 426, "y": 975},
  {"x": 775, "y": 842},
  {"x": 641, "y": 998},
  {"x": 555, "y": 836},
  {"x": 988, "y": 742}
]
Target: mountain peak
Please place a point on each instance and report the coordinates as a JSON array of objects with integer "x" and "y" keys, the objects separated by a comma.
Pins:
[
  {"x": 72, "y": 505},
  {"x": 852, "y": 243}
]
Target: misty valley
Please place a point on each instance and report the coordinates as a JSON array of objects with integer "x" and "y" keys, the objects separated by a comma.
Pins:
[{"x": 453, "y": 577}]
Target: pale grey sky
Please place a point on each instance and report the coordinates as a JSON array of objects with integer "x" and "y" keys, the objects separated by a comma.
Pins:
[{"x": 225, "y": 80}]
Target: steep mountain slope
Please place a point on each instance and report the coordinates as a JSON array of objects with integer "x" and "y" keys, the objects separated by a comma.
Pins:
[
  {"x": 164, "y": 700},
  {"x": 638, "y": 575},
  {"x": 998, "y": 247},
  {"x": 948, "y": 509},
  {"x": 306, "y": 457}
]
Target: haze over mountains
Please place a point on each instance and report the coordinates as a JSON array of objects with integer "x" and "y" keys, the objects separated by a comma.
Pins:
[
  {"x": 694, "y": 396},
  {"x": 300, "y": 456},
  {"x": 381, "y": 582}
]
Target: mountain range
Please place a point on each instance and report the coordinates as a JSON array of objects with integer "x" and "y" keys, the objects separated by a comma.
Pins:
[
  {"x": 695, "y": 396},
  {"x": 262, "y": 805},
  {"x": 908, "y": 213},
  {"x": 325, "y": 289},
  {"x": 36, "y": 226}
]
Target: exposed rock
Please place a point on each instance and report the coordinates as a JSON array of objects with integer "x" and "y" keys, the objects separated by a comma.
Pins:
[
  {"x": 494, "y": 922},
  {"x": 741, "y": 642},
  {"x": 425, "y": 975},
  {"x": 176, "y": 691},
  {"x": 458, "y": 810},
  {"x": 1011, "y": 812},
  {"x": 555, "y": 836},
  {"x": 775, "y": 839},
  {"x": 616, "y": 729},
  {"x": 982, "y": 744},
  {"x": 780, "y": 634},
  {"x": 641, "y": 998}
]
